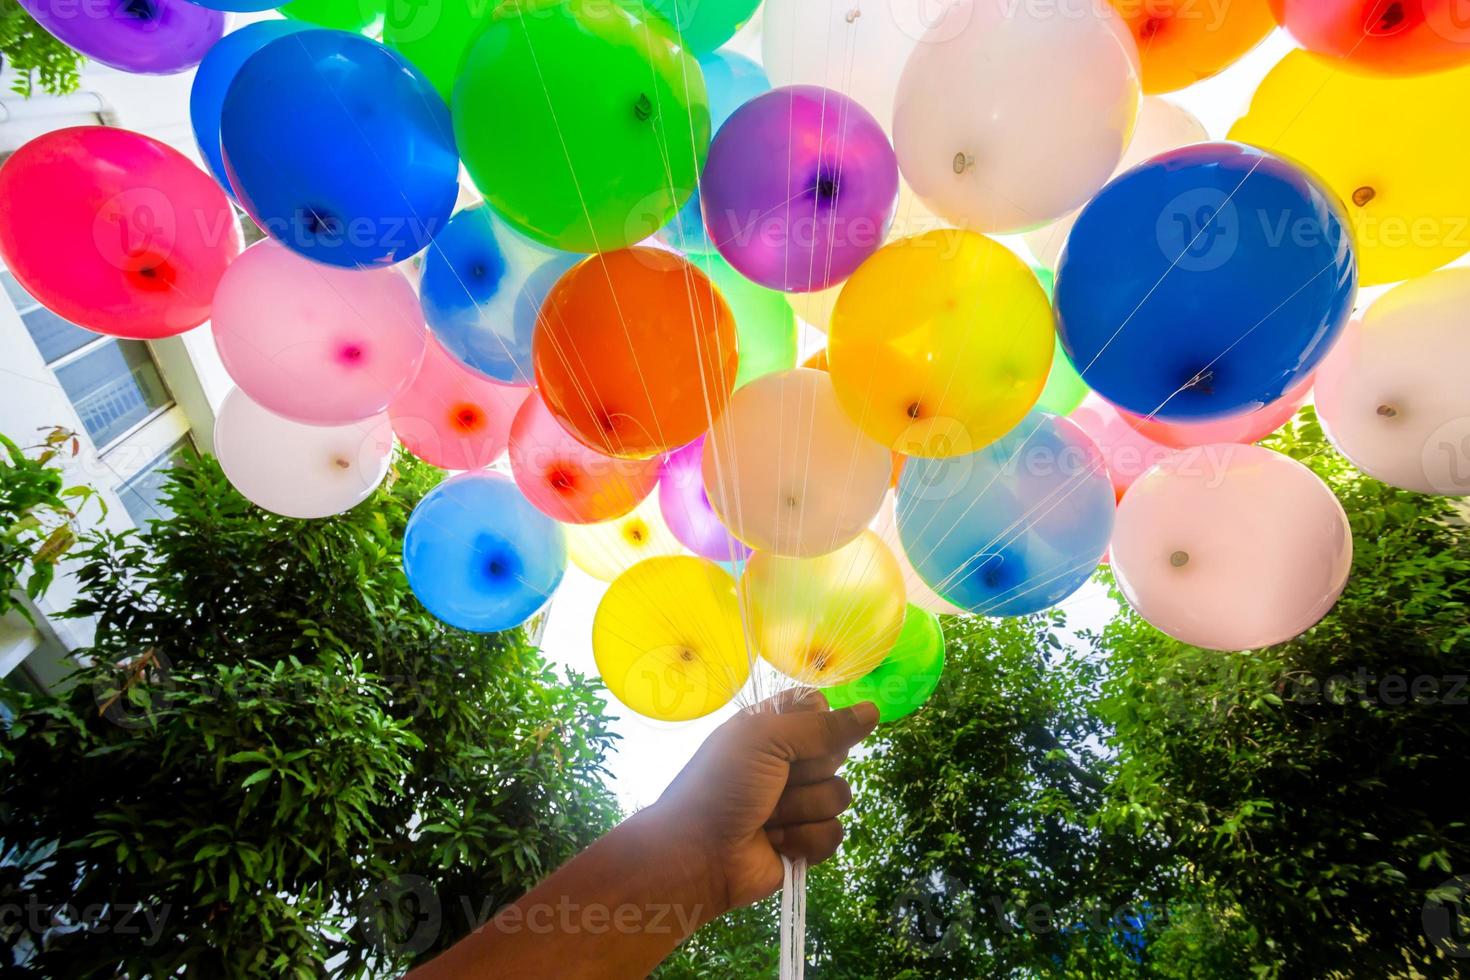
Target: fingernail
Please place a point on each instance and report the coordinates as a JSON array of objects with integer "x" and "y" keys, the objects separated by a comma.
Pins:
[{"x": 866, "y": 712}]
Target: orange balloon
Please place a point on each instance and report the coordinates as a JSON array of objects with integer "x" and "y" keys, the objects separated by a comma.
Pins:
[
  {"x": 818, "y": 362},
  {"x": 1181, "y": 42},
  {"x": 635, "y": 352}
]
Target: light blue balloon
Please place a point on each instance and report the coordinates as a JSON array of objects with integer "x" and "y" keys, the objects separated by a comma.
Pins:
[
  {"x": 482, "y": 288},
  {"x": 731, "y": 80},
  {"x": 1014, "y": 528},
  {"x": 479, "y": 556},
  {"x": 213, "y": 78}
]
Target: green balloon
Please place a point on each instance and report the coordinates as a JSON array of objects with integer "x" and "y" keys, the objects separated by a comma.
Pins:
[
  {"x": 765, "y": 327},
  {"x": 703, "y": 25},
  {"x": 1065, "y": 388},
  {"x": 906, "y": 677},
  {"x": 583, "y": 125},
  {"x": 434, "y": 35},
  {"x": 357, "y": 16}
]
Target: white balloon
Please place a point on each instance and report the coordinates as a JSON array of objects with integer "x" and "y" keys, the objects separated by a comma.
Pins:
[
  {"x": 885, "y": 525},
  {"x": 298, "y": 470},
  {"x": 1162, "y": 125},
  {"x": 1019, "y": 116},
  {"x": 1392, "y": 394}
]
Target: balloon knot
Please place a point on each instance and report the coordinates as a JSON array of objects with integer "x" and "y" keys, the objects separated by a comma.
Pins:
[
  {"x": 1179, "y": 559},
  {"x": 643, "y": 108},
  {"x": 1363, "y": 195},
  {"x": 963, "y": 162},
  {"x": 914, "y": 410},
  {"x": 1388, "y": 411}
]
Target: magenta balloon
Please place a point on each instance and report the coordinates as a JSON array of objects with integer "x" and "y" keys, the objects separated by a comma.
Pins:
[
  {"x": 686, "y": 507},
  {"x": 799, "y": 188},
  {"x": 150, "y": 37}
]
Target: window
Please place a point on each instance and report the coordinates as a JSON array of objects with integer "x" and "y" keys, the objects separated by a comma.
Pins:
[{"x": 140, "y": 495}]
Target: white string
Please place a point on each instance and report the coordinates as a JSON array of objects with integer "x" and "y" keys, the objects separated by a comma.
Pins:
[{"x": 793, "y": 918}]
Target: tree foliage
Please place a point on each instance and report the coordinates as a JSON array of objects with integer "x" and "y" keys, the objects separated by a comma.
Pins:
[
  {"x": 37, "y": 58},
  {"x": 38, "y": 517}
]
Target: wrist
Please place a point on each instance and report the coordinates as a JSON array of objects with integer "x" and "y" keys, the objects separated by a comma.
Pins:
[{"x": 691, "y": 862}]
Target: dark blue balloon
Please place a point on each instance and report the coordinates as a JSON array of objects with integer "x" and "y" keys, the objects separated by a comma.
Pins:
[
  {"x": 213, "y": 79},
  {"x": 479, "y": 556},
  {"x": 1205, "y": 282},
  {"x": 241, "y": 6},
  {"x": 339, "y": 148}
]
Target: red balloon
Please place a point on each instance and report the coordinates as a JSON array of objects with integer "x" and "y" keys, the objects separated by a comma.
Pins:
[
  {"x": 1380, "y": 37},
  {"x": 115, "y": 231},
  {"x": 453, "y": 417}
]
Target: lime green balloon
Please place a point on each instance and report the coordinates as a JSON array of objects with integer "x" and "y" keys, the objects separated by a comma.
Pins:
[
  {"x": 434, "y": 35},
  {"x": 584, "y": 125},
  {"x": 358, "y": 16},
  {"x": 703, "y": 25},
  {"x": 906, "y": 677},
  {"x": 1065, "y": 388},
  {"x": 765, "y": 327}
]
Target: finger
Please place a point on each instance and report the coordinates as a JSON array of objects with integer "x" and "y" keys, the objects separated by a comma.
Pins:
[
  {"x": 812, "y": 803},
  {"x": 805, "y": 771},
  {"x": 815, "y": 842},
  {"x": 814, "y": 734},
  {"x": 793, "y": 699}
]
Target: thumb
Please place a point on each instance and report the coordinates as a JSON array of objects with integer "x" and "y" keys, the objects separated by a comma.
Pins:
[{"x": 813, "y": 734}]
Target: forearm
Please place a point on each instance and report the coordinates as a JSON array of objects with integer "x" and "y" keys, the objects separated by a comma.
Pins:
[{"x": 616, "y": 910}]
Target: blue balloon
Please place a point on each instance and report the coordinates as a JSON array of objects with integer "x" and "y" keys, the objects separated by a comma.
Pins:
[
  {"x": 213, "y": 78},
  {"x": 731, "y": 80},
  {"x": 482, "y": 288},
  {"x": 1205, "y": 282},
  {"x": 339, "y": 148},
  {"x": 241, "y": 6},
  {"x": 1014, "y": 528},
  {"x": 479, "y": 556}
]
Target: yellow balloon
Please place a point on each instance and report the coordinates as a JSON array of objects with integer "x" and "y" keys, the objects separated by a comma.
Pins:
[
  {"x": 667, "y": 638},
  {"x": 940, "y": 343},
  {"x": 1393, "y": 149},
  {"x": 825, "y": 620},
  {"x": 607, "y": 549}
]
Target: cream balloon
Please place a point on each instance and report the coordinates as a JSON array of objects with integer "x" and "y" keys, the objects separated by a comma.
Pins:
[
  {"x": 1162, "y": 125},
  {"x": 1019, "y": 116},
  {"x": 609, "y": 549},
  {"x": 788, "y": 472},
  {"x": 885, "y": 525},
  {"x": 1231, "y": 547},
  {"x": 299, "y": 470},
  {"x": 1392, "y": 394}
]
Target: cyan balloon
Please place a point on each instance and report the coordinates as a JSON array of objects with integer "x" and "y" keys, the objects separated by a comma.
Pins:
[
  {"x": 479, "y": 556},
  {"x": 482, "y": 288},
  {"x": 703, "y": 25},
  {"x": 1014, "y": 528}
]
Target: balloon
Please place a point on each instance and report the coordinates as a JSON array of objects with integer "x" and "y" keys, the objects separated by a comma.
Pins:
[
  {"x": 566, "y": 480},
  {"x": 1392, "y": 395},
  {"x": 314, "y": 343},
  {"x": 435, "y": 36},
  {"x": 810, "y": 221},
  {"x": 212, "y": 81},
  {"x": 1127, "y": 451},
  {"x": 1065, "y": 388},
  {"x": 1231, "y": 547},
  {"x": 1181, "y": 42},
  {"x": 478, "y": 556},
  {"x": 1162, "y": 125},
  {"x": 1412, "y": 37},
  {"x": 1149, "y": 300},
  {"x": 148, "y": 37},
  {"x": 885, "y": 525},
  {"x": 940, "y": 343},
  {"x": 298, "y": 470},
  {"x": 1249, "y": 427},
  {"x": 668, "y": 640},
  {"x": 1382, "y": 145},
  {"x": 451, "y": 417},
  {"x": 338, "y": 148},
  {"x": 635, "y": 351},
  {"x": 686, "y": 507},
  {"x": 818, "y": 362},
  {"x": 824, "y": 620},
  {"x": 731, "y": 80},
  {"x": 1017, "y": 116},
  {"x": 240, "y": 6},
  {"x": 583, "y": 123},
  {"x": 115, "y": 231},
  {"x": 482, "y": 289},
  {"x": 907, "y": 676},
  {"x": 788, "y": 472},
  {"x": 765, "y": 327},
  {"x": 358, "y": 16},
  {"x": 609, "y": 549},
  {"x": 1014, "y": 528},
  {"x": 703, "y": 25}
]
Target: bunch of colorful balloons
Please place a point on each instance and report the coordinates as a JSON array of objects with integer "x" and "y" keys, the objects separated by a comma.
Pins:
[{"x": 599, "y": 330}]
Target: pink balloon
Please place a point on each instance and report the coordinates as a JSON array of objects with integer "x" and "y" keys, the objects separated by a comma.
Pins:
[
  {"x": 315, "y": 343},
  {"x": 686, "y": 508},
  {"x": 1127, "y": 452},
  {"x": 453, "y": 417},
  {"x": 564, "y": 479},
  {"x": 1231, "y": 547},
  {"x": 1249, "y": 427}
]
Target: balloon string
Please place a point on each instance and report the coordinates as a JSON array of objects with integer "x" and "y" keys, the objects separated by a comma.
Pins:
[{"x": 793, "y": 919}]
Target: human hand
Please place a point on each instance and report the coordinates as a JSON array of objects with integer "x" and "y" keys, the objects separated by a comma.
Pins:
[{"x": 763, "y": 785}]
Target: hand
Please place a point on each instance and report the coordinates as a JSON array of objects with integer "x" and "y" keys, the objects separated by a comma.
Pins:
[{"x": 763, "y": 785}]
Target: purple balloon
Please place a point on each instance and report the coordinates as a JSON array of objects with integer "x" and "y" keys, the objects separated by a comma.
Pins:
[
  {"x": 147, "y": 37},
  {"x": 799, "y": 188},
  {"x": 686, "y": 509}
]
